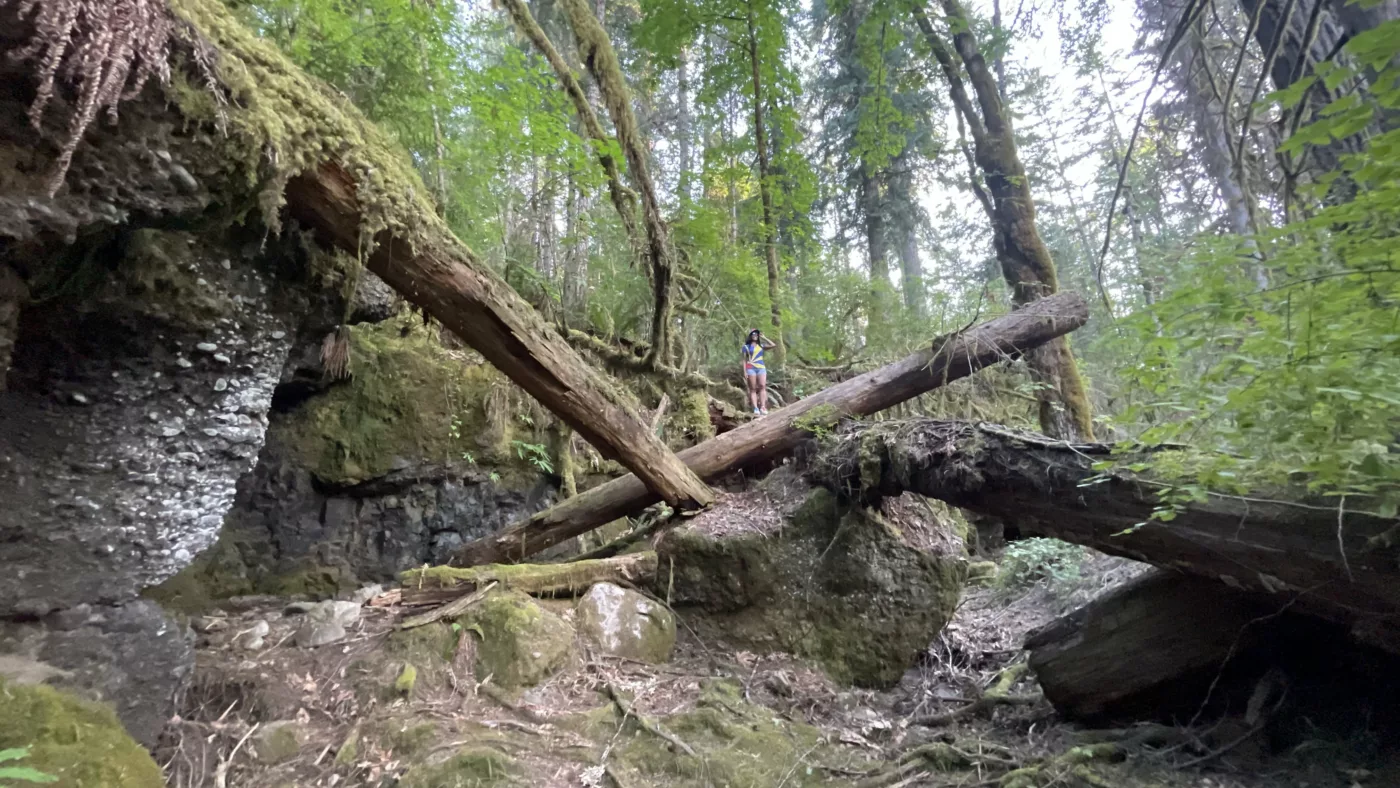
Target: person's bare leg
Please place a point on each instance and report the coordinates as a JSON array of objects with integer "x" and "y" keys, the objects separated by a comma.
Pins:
[
  {"x": 762, "y": 391},
  {"x": 751, "y": 382}
]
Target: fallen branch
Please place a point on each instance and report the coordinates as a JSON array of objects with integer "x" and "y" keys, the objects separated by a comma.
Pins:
[
  {"x": 649, "y": 725},
  {"x": 449, "y": 610},
  {"x": 430, "y": 585}
]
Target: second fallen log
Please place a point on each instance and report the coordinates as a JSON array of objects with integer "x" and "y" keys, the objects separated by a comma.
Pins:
[{"x": 948, "y": 358}]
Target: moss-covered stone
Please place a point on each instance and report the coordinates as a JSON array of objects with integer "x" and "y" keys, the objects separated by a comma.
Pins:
[
  {"x": 279, "y": 741},
  {"x": 349, "y": 750},
  {"x": 860, "y": 591},
  {"x": 406, "y": 737},
  {"x": 424, "y": 645},
  {"x": 521, "y": 643},
  {"x": 408, "y": 678},
  {"x": 471, "y": 767},
  {"x": 409, "y": 399},
  {"x": 79, "y": 742}
]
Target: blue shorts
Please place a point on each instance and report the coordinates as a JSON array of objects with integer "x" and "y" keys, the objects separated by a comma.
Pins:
[{"x": 754, "y": 370}]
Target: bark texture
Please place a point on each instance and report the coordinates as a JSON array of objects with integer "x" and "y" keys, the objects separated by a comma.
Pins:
[
  {"x": 1025, "y": 260},
  {"x": 1312, "y": 554},
  {"x": 949, "y": 358},
  {"x": 448, "y": 283}
]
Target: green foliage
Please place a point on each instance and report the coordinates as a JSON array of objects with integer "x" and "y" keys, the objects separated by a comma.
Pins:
[
  {"x": 1295, "y": 382},
  {"x": 21, "y": 773},
  {"x": 1029, "y": 561},
  {"x": 534, "y": 453}
]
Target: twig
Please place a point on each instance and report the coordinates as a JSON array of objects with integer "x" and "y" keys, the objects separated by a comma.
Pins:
[
  {"x": 454, "y": 608},
  {"x": 1341, "y": 546},
  {"x": 221, "y": 773},
  {"x": 650, "y": 726}
]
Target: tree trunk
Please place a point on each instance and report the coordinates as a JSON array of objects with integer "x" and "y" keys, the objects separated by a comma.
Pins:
[
  {"x": 1127, "y": 654},
  {"x": 949, "y": 358},
  {"x": 1025, "y": 260},
  {"x": 683, "y": 130},
  {"x": 1317, "y": 555},
  {"x": 877, "y": 325},
  {"x": 442, "y": 277},
  {"x": 598, "y": 56},
  {"x": 765, "y": 193},
  {"x": 621, "y": 197}
]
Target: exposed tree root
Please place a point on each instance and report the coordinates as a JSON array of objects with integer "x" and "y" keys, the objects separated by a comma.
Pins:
[
  {"x": 618, "y": 359},
  {"x": 431, "y": 585},
  {"x": 647, "y": 724},
  {"x": 999, "y": 694}
]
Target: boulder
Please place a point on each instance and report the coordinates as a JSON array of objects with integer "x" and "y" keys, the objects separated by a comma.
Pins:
[
  {"x": 79, "y": 742},
  {"x": 278, "y": 741},
  {"x": 623, "y": 623},
  {"x": 861, "y": 591},
  {"x": 520, "y": 644},
  {"x": 326, "y": 622}
]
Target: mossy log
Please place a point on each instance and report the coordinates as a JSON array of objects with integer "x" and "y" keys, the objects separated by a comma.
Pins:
[
  {"x": 949, "y": 357},
  {"x": 431, "y": 585},
  {"x": 1314, "y": 555}
]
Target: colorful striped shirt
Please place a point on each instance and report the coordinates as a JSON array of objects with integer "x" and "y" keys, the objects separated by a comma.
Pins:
[{"x": 753, "y": 356}]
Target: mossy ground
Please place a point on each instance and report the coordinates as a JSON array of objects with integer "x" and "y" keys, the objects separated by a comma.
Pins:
[{"x": 79, "y": 742}]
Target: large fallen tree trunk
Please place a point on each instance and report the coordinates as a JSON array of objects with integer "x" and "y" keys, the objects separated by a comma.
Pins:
[
  {"x": 1314, "y": 556},
  {"x": 446, "y": 281},
  {"x": 949, "y": 358}
]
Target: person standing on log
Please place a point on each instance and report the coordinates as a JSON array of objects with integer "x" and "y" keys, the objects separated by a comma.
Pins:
[{"x": 756, "y": 372}]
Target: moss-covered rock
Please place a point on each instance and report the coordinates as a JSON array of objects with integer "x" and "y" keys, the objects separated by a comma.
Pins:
[
  {"x": 424, "y": 645},
  {"x": 861, "y": 591},
  {"x": 407, "y": 680},
  {"x": 410, "y": 399},
  {"x": 471, "y": 767},
  {"x": 278, "y": 741},
  {"x": 79, "y": 742},
  {"x": 406, "y": 737},
  {"x": 623, "y": 623},
  {"x": 520, "y": 643}
]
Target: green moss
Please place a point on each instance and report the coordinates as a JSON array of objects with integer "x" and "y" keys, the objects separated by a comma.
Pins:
[
  {"x": 565, "y": 579},
  {"x": 690, "y": 421},
  {"x": 79, "y": 742},
  {"x": 408, "y": 677},
  {"x": 409, "y": 399},
  {"x": 276, "y": 742},
  {"x": 310, "y": 580},
  {"x": 349, "y": 750},
  {"x": 521, "y": 644},
  {"x": 735, "y": 743},
  {"x": 424, "y": 645},
  {"x": 405, "y": 737},
  {"x": 471, "y": 767}
]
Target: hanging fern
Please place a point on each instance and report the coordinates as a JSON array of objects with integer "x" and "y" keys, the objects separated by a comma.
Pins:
[{"x": 107, "y": 49}]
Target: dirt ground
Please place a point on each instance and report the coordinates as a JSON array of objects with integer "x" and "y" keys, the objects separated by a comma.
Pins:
[{"x": 710, "y": 716}]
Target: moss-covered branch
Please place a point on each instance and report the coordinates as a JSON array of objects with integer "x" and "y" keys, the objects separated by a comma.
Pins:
[
  {"x": 436, "y": 583},
  {"x": 598, "y": 55},
  {"x": 622, "y": 198}
]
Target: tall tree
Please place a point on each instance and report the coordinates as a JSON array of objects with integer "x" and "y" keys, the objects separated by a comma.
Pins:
[{"x": 1025, "y": 261}]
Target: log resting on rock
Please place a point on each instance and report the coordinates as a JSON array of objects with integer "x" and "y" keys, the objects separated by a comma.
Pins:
[
  {"x": 1320, "y": 558},
  {"x": 949, "y": 357},
  {"x": 445, "y": 279}
]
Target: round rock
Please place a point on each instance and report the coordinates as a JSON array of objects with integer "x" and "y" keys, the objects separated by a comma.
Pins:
[{"x": 623, "y": 623}]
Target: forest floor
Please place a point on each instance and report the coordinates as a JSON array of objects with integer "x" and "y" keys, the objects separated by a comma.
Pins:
[{"x": 278, "y": 715}]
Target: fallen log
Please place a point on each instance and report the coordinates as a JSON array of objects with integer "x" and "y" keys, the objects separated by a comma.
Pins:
[
  {"x": 949, "y": 358},
  {"x": 435, "y": 584},
  {"x": 1152, "y": 647},
  {"x": 446, "y": 280},
  {"x": 1314, "y": 555}
]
